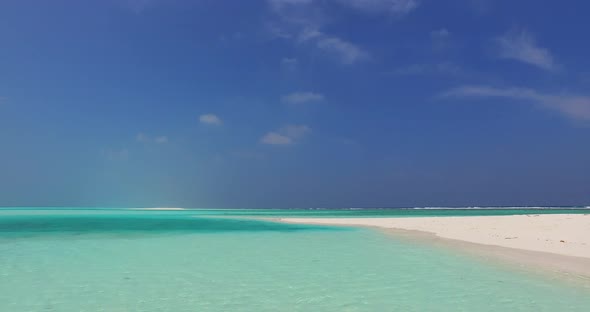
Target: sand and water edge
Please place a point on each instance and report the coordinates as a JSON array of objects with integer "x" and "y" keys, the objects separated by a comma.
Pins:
[{"x": 552, "y": 246}]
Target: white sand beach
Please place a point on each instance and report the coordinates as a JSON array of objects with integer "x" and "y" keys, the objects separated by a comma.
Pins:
[{"x": 560, "y": 242}]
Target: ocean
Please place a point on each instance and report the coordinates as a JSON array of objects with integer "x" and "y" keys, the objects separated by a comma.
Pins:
[{"x": 229, "y": 260}]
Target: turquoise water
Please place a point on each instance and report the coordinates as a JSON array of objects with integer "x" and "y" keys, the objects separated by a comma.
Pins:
[{"x": 111, "y": 260}]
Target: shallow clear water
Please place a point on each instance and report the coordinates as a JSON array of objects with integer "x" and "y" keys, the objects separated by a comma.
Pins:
[{"x": 72, "y": 260}]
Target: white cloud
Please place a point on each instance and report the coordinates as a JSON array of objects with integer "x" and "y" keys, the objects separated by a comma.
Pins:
[
  {"x": 395, "y": 7},
  {"x": 286, "y": 135},
  {"x": 302, "y": 97},
  {"x": 521, "y": 46},
  {"x": 572, "y": 106},
  {"x": 210, "y": 119}
]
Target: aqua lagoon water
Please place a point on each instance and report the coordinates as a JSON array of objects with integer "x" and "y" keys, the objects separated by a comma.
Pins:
[{"x": 224, "y": 260}]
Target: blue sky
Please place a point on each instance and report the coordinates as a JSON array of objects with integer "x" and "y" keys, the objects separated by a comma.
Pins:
[{"x": 294, "y": 103}]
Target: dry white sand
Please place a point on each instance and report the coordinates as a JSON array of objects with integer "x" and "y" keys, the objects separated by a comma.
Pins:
[{"x": 559, "y": 242}]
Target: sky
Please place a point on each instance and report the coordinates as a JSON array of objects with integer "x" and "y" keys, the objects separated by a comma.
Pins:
[{"x": 294, "y": 103}]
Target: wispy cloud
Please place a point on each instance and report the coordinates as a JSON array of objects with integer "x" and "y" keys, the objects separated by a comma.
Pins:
[
  {"x": 301, "y": 21},
  {"x": 210, "y": 119},
  {"x": 346, "y": 51},
  {"x": 343, "y": 50},
  {"x": 573, "y": 106},
  {"x": 144, "y": 138},
  {"x": 520, "y": 45},
  {"x": 302, "y": 97},
  {"x": 395, "y": 7},
  {"x": 275, "y": 138},
  {"x": 286, "y": 135}
]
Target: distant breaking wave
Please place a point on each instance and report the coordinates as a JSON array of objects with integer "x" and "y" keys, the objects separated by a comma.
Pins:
[
  {"x": 448, "y": 208},
  {"x": 384, "y": 208}
]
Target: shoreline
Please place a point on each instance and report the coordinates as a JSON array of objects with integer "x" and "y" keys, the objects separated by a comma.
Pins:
[
  {"x": 554, "y": 266},
  {"x": 525, "y": 247}
]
